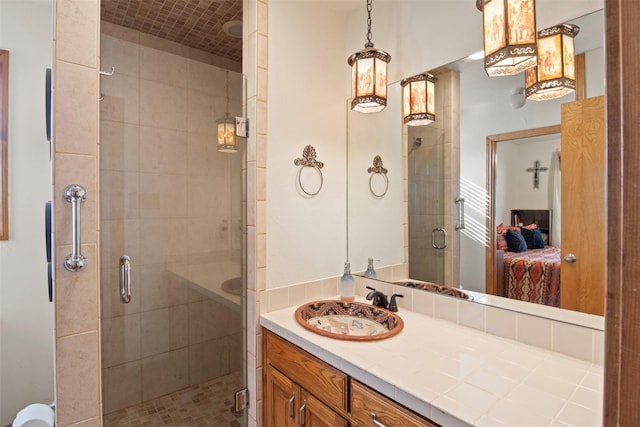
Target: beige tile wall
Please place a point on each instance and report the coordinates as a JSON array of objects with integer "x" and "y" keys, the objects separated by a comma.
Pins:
[
  {"x": 75, "y": 162},
  {"x": 255, "y": 66}
]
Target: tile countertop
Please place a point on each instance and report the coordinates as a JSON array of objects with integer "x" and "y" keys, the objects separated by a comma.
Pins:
[{"x": 458, "y": 376}]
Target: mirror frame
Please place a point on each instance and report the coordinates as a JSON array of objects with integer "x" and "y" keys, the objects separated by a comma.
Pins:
[
  {"x": 4, "y": 116},
  {"x": 492, "y": 142}
]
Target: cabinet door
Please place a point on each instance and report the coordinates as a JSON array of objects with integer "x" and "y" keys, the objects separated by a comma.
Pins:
[
  {"x": 281, "y": 400},
  {"x": 317, "y": 414},
  {"x": 309, "y": 372},
  {"x": 365, "y": 402}
]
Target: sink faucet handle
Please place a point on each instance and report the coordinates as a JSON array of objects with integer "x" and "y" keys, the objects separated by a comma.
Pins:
[{"x": 393, "y": 305}]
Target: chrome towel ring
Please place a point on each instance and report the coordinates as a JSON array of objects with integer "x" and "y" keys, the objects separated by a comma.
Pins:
[
  {"x": 374, "y": 170},
  {"x": 308, "y": 160}
]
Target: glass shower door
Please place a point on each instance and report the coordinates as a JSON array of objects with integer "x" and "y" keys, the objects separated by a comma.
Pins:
[
  {"x": 172, "y": 203},
  {"x": 428, "y": 237}
]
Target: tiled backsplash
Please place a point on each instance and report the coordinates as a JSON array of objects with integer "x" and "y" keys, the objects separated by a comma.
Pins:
[{"x": 582, "y": 342}]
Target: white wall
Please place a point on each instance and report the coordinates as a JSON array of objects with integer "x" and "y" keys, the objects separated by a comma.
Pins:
[
  {"x": 26, "y": 316},
  {"x": 375, "y": 223},
  {"x": 514, "y": 185},
  {"x": 308, "y": 88}
]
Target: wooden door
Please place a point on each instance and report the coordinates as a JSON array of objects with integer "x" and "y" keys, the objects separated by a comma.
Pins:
[
  {"x": 317, "y": 414},
  {"x": 583, "y": 161},
  {"x": 281, "y": 400}
]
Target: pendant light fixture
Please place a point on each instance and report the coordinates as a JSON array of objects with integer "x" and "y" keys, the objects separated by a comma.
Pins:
[
  {"x": 227, "y": 142},
  {"x": 369, "y": 75},
  {"x": 509, "y": 28},
  {"x": 418, "y": 99},
  {"x": 555, "y": 75}
]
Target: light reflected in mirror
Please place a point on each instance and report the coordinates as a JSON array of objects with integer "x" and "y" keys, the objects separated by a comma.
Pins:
[{"x": 484, "y": 109}]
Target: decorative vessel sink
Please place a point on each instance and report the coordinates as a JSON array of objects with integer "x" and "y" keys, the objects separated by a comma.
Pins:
[
  {"x": 432, "y": 287},
  {"x": 355, "y": 321}
]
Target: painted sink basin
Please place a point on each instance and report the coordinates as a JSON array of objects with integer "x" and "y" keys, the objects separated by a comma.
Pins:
[
  {"x": 354, "y": 321},
  {"x": 432, "y": 287}
]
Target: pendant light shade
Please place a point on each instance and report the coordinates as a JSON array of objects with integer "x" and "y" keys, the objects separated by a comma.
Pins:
[
  {"x": 509, "y": 28},
  {"x": 418, "y": 99},
  {"x": 227, "y": 141},
  {"x": 369, "y": 75},
  {"x": 227, "y": 134},
  {"x": 555, "y": 75}
]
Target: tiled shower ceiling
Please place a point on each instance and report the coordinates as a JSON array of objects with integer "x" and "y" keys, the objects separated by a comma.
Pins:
[{"x": 194, "y": 23}]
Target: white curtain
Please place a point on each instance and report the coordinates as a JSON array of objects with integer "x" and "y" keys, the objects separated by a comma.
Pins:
[{"x": 556, "y": 200}]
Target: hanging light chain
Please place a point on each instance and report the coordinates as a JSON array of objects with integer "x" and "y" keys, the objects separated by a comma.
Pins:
[
  {"x": 368, "y": 43},
  {"x": 227, "y": 110}
]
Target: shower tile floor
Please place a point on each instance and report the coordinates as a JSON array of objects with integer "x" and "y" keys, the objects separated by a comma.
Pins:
[{"x": 206, "y": 404}]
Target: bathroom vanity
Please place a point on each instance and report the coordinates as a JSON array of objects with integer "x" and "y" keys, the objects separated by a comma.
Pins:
[
  {"x": 293, "y": 378},
  {"x": 434, "y": 372}
]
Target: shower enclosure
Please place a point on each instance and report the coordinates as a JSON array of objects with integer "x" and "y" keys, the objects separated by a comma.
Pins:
[
  {"x": 171, "y": 221},
  {"x": 428, "y": 235}
]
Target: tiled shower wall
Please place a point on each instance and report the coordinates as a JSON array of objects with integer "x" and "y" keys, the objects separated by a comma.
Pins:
[{"x": 171, "y": 202}]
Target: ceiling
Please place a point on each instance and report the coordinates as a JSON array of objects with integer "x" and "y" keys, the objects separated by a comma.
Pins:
[{"x": 194, "y": 23}]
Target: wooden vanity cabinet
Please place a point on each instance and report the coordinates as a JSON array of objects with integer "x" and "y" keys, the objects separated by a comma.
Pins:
[
  {"x": 289, "y": 405},
  {"x": 302, "y": 391}
]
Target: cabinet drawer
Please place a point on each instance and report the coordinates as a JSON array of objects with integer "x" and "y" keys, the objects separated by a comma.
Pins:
[
  {"x": 320, "y": 379},
  {"x": 365, "y": 401}
]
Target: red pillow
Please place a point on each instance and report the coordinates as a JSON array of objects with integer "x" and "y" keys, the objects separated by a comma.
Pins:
[{"x": 501, "y": 243}]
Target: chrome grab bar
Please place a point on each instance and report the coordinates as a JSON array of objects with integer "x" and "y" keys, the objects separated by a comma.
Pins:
[
  {"x": 125, "y": 279},
  {"x": 375, "y": 422},
  {"x": 434, "y": 244},
  {"x": 75, "y": 194},
  {"x": 460, "y": 224}
]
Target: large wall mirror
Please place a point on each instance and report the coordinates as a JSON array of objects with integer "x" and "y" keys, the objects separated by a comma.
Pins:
[{"x": 449, "y": 159}]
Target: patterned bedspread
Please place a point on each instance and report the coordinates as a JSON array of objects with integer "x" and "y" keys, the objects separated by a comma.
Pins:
[{"x": 533, "y": 276}]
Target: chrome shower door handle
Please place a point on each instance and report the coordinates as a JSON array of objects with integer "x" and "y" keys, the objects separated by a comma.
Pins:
[
  {"x": 125, "y": 279},
  {"x": 460, "y": 224},
  {"x": 75, "y": 194}
]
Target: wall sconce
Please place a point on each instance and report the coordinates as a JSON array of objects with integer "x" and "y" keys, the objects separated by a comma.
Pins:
[
  {"x": 369, "y": 75},
  {"x": 418, "y": 99},
  {"x": 555, "y": 75},
  {"x": 227, "y": 142},
  {"x": 509, "y": 28}
]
